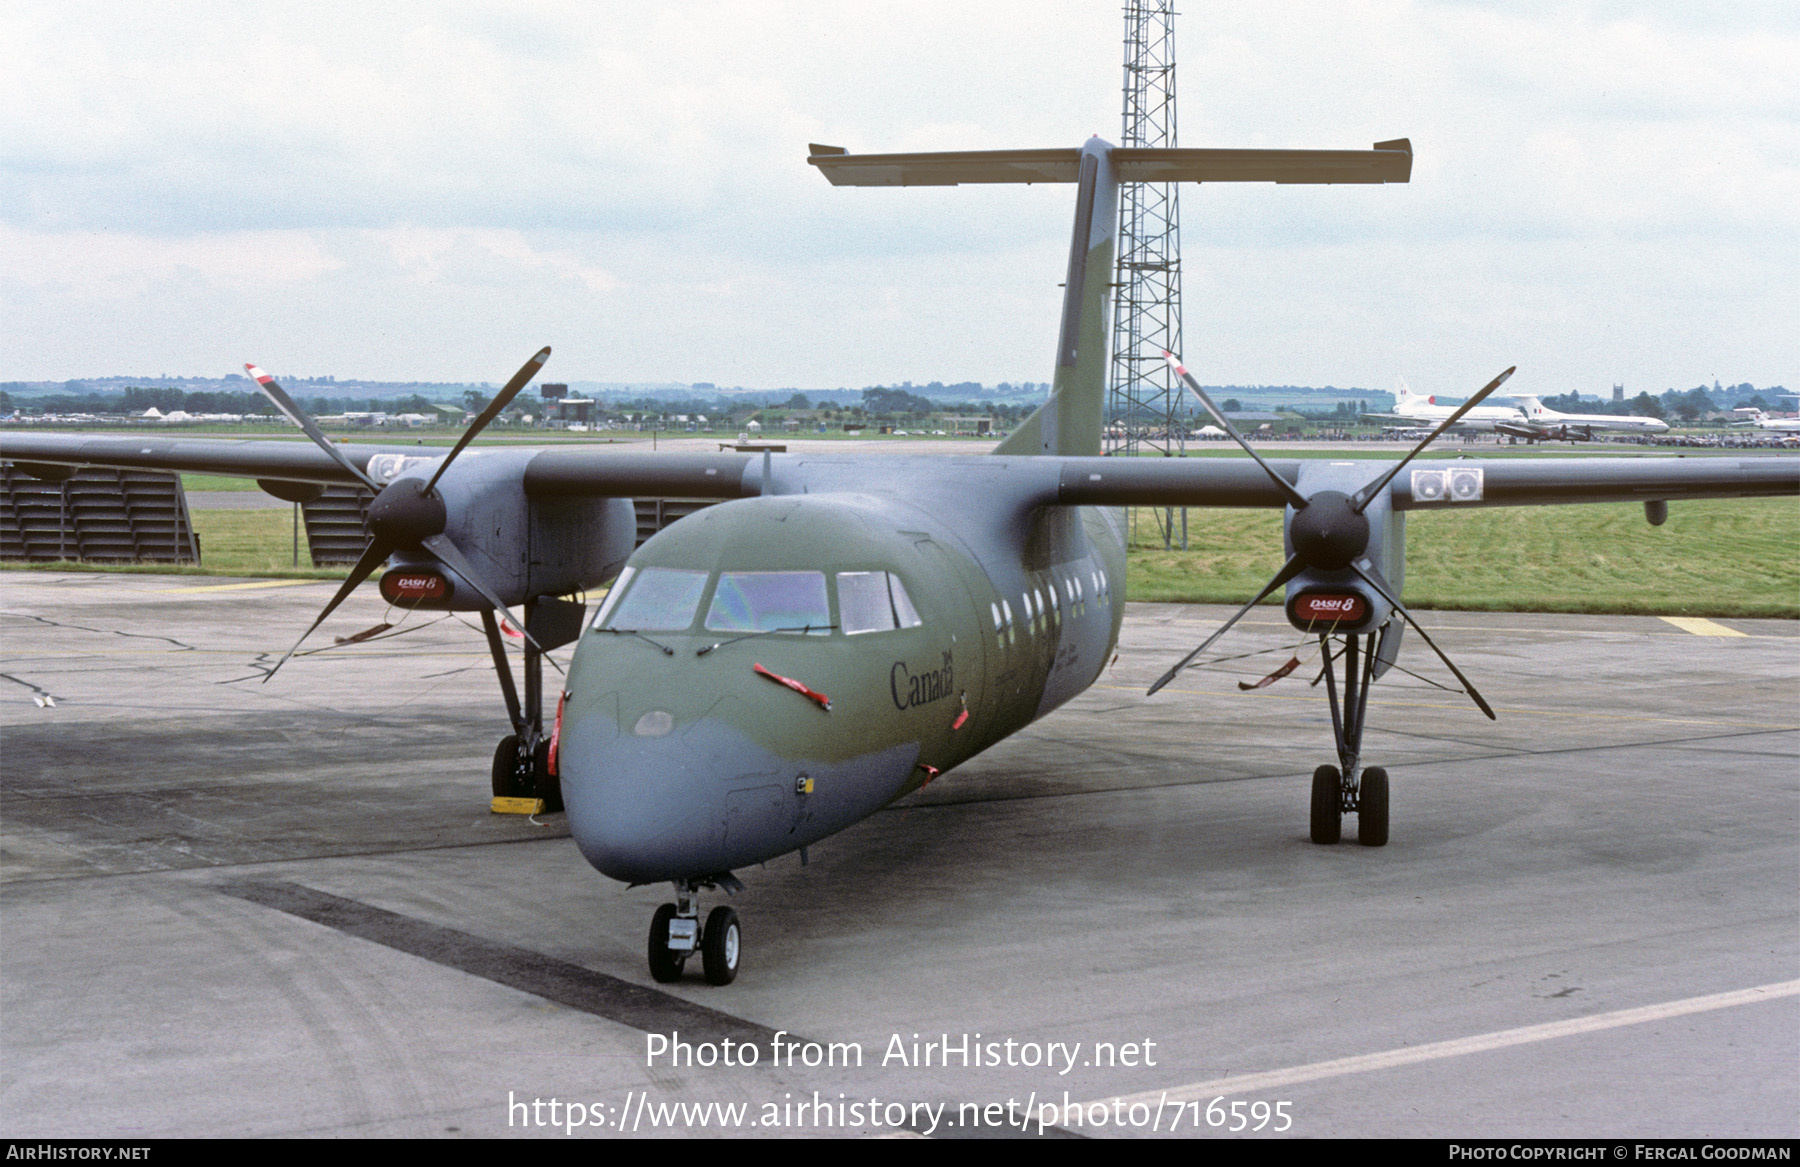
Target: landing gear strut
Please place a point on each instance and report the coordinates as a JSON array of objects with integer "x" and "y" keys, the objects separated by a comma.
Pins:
[
  {"x": 676, "y": 935},
  {"x": 1347, "y": 788},
  {"x": 522, "y": 759}
]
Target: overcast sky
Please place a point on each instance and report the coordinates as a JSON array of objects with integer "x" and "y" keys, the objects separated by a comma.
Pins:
[{"x": 1603, "y": 192}]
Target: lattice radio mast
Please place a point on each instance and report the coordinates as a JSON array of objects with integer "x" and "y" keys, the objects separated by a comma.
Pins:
[{"x": 1144, "y": 396}]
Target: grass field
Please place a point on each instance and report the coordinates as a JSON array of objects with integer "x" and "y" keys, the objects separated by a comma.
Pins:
[{"x": 1738, "y": 557}]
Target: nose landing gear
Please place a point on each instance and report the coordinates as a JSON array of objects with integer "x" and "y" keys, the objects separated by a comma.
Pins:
[
  {"x": 676, "y": 935},
  {"x": 1348, "y": 788}
]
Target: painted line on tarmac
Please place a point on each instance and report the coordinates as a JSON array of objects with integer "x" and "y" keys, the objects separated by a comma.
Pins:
[
  {"x": 242, "y": 587},
  {"x": 1700, "y": 626},
  {"x": 1481, "y": 1043},
  {"x": 1522, "y": 630},
  {"x": 571, "y": 985},
  {"x": 1375, "y": 701}
]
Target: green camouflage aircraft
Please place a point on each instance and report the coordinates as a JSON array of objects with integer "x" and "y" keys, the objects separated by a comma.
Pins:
[{"x": 841, "y": 630}]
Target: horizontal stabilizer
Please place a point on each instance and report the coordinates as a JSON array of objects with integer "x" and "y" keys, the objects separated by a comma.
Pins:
[
  {"x": 1388, "y": 162},
  {"x": 946, "y": 169}
]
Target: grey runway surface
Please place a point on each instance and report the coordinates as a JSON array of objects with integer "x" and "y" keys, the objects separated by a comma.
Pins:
[{"x": 231, "y": 908}]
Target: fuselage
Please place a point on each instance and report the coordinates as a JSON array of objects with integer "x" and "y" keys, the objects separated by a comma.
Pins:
[
  {"x": 771, "y": 670},
  {"x": 1426, "y": 413},
  {"x": 1540, "y": 415}
]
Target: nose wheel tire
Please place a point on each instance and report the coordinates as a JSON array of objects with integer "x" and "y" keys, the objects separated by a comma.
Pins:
[
  {"x": 665, "y": 966},
  {"x": 720, "y": 945},
  {"x": 1327, "y": 806},
  {"x": 1372, "y": 808}
]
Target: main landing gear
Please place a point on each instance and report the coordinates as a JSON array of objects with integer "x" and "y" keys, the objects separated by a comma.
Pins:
[
  {"x": 676, "y": 934},
  {"x": 522, "y": 759},
  {"x": 1347, "y": 788}
]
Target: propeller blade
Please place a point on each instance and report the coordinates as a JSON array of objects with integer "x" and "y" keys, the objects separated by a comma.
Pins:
[
  {"x": 295, "y": 414},
  {"x": 1367, "y": 494},
  {"x": 1293, "y": 568},
  {"x": 372, "y": 557},
  {"x": 501, "y": 400},
  {"x": 445, "y": 550},
  {"x": 1287, "y": 488},
  {"x": 1373, "y": 578}
]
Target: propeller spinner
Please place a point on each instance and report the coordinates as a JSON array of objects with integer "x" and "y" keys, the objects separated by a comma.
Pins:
[
  {"x": 407, "y": 514},
  {"x": 1328, "y": 529}
]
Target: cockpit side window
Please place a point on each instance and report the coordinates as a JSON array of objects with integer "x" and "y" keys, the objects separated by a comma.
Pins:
[
  {"x": 657, "y": 599},
  {"x": 874, "y": 601},
  {"x": 863, "y": 603},
  {"x": 770, "y": 601},
  {"x": 904, "y": 612}
]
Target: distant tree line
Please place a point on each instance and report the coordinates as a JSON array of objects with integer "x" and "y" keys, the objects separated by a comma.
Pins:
[{"x": 1671, "y": 404}]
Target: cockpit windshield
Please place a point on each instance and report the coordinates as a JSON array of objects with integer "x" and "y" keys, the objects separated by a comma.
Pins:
[
  {"x": 666, "y": 599},
  {"x": 770, "y": 601},
  {"x": 658, "y": 599}
]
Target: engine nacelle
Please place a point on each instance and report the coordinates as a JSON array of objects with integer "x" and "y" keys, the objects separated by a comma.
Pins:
[
  {"x": 1336, "y": 603},
  {"x": 523, "y": 547}
]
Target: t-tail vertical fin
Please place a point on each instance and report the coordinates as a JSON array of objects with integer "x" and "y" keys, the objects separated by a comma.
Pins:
[{"x": 1069, "y": 423}]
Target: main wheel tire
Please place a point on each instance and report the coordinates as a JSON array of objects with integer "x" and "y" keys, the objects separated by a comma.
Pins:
[
  {"x": 1327, "y": 805},
  {"x": 547, "y": 785},
  {"x": 720, "y": 946},
  {"x": 507, "y": 780},
  {"x": 665, "y": 966},
  {"x": 1372, "y": 808}
]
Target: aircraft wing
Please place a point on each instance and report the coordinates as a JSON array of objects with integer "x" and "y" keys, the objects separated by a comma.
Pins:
[
  {"x": 287, "y": 461},
  {"x": 1196, "y": 482},
  {"x": 1207, "y": 482},
  {"x": 590, "y": 472},
  {"x": 1433, "y": 484}
]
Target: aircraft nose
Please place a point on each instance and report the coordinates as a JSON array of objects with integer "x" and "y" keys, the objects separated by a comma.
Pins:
[
  {"x": 654, "y": 795},
  {"x": 638, "y": 806}
]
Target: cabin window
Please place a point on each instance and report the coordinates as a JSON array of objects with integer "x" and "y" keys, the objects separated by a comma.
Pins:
[
  {"x": 659, "y": 599},
  {"x": 770, "y": 601}
]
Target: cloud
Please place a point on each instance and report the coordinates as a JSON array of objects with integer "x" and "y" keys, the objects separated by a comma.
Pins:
[
  {"x": 101, "y": 264},
  {"x": 426, "y": 184}
]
